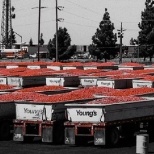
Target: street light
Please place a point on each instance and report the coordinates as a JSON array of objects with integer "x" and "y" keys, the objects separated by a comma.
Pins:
[{"x": 19, "y": 36}]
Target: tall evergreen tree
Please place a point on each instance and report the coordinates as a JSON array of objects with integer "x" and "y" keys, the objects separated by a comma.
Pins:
[
  {"x": 146, "y": 33},
  {"x": 104, "y": 40},
  {"x": 64, "y": 41}
]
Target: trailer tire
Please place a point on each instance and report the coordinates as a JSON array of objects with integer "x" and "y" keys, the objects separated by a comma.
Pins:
[
  {"x": 113, "y": 137},
  {"x": 5, "y": 131}
]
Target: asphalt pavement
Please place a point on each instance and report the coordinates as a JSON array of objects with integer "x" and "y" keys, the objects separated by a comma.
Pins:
[{"x": 37, "y": 147}]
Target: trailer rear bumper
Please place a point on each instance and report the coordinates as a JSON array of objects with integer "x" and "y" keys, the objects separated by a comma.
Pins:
[
  {"x": 99, "y": 136},
  {"x": 73, "y": 130},
  {"x": 43, "y": 129},
  {"x": 70, "y": 135},
  {"x": 47, "y": 134},
  {"x": 18, "y": 134}
]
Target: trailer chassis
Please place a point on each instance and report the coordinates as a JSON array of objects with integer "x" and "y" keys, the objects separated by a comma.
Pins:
[{"x": 107, "y": 133}]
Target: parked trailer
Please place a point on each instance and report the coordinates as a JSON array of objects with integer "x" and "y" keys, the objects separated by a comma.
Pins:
[
  {"x": 105, "y": 124},
  {"x": 26, "y": 81},
  {"x": 45, "y": 120}
]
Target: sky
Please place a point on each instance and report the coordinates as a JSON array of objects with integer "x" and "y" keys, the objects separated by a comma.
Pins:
[{"x": 80, "y": 17}]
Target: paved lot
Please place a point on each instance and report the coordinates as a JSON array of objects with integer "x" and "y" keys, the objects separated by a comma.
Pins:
[{"x": 11, "y": 147}]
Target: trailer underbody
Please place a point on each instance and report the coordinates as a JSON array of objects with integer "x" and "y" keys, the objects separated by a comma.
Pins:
[{"x": 107, "y": 133}]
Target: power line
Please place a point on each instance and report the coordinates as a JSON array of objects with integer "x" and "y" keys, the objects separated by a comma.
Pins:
[
  {"x": 71, "y": 14},
  {"x": 35, "y": 23},
  {"x": 80, "y": 16},
  {"x": 79, "y": 24},
  {"x": 47, "y": 9},
  {"x": 96, "y": 12},
  {"x": 84, "y": 8},
  {"x": 25, "y": 6}
]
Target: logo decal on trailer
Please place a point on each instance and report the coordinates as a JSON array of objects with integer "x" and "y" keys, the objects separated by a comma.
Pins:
[
  {"x": 36, "y": 112},
  {"x": 86, "y": 113}
]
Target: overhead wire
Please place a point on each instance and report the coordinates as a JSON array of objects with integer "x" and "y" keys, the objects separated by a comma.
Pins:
[
  {"x": 24, "y": 6},
  {"x": 80, "y": 16},
  {"x": 73, "y": 14},
  {"x": 84, "y": 7},
  {"x": 35, "y": 23},
  {"x": 79, "y": 24},
  {"x": 47, "y": 9},
  {"x": 92, "y": 11}
]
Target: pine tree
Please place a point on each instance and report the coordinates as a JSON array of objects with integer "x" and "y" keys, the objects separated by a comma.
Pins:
[
  {"x": 103, "y": 42},
  {"x": 146, "y": 34},
  {"x": 64, "y": 41}
]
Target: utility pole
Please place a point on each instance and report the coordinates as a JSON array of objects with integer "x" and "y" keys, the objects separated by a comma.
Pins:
[
  {"x": 56, "y": 31},
  {"x": 39, "y": 19},
  {"x": 120, "y": 35},
  {"x": 57, "y": 20},
  {"x": 39, "y": 23},
  {"x": 7, "y": 24}
]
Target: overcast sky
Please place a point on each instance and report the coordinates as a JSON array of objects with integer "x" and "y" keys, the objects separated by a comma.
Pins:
[{"x": 81, "y": 18}]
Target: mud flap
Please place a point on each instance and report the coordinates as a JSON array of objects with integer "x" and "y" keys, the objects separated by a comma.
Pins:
[
  {"x": 47, "y": 134},
  {"x": 99, "y": 137},
  {"x": 70, "y": 135},
  {"x": 18, "y": 134}
]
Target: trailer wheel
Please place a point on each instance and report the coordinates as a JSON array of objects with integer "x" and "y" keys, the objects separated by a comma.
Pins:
[
  {"x": 113, "y": 136},
  {"x": 5, "y": 131}
]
